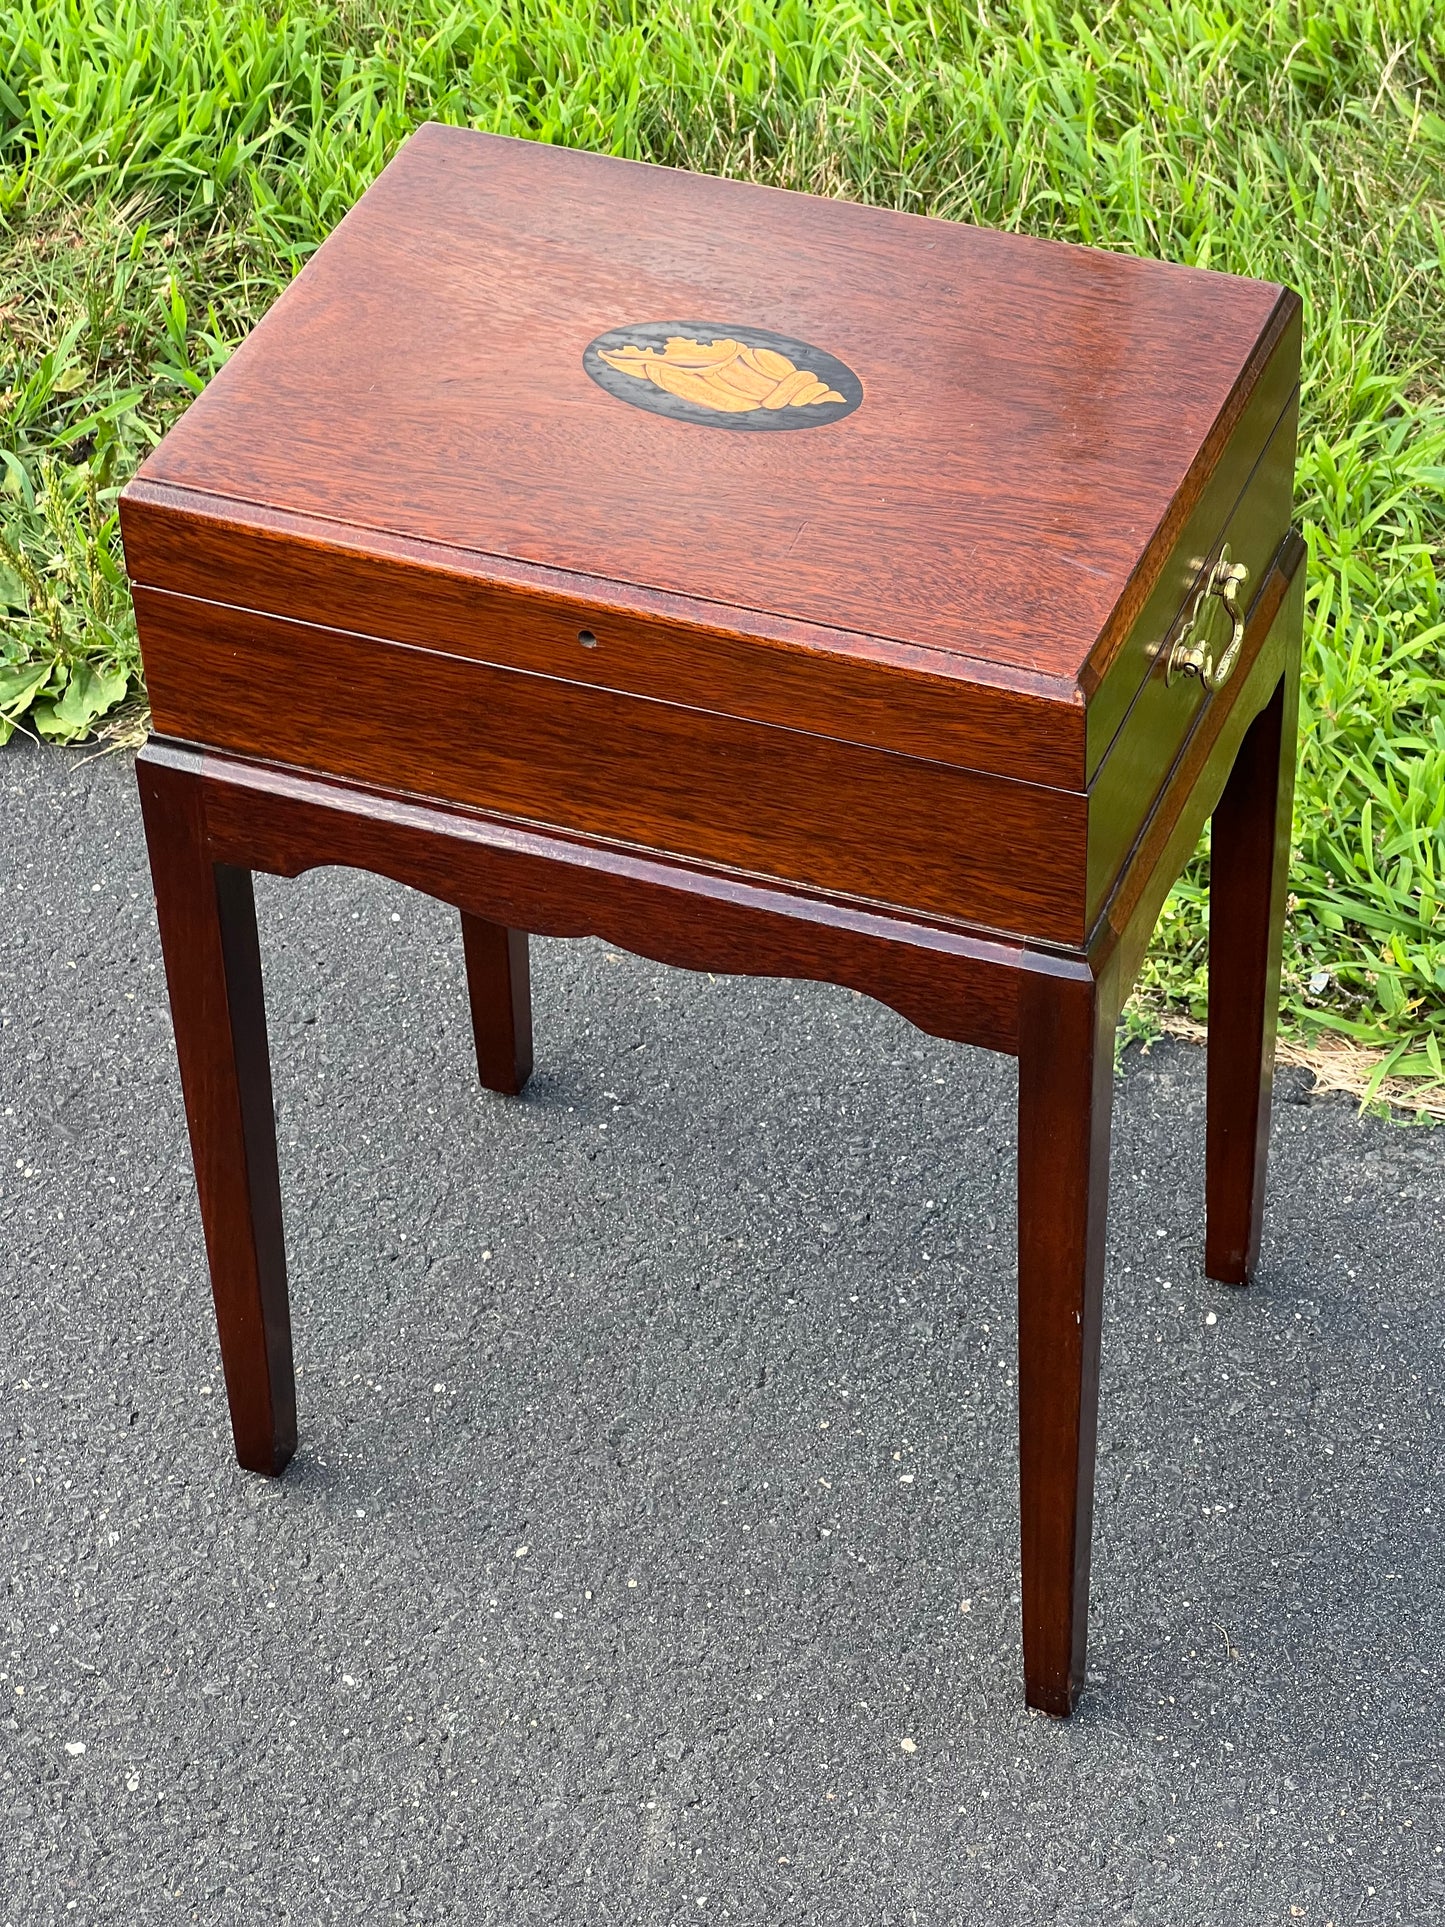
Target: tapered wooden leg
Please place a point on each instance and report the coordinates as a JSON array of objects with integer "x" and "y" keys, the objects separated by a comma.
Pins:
[
  {"x": 213, "y": 968},
  {"x": 1249, "y": 867},
  {"x": 1066, "y": 1072},
  {"x": 499, "y": 984}
]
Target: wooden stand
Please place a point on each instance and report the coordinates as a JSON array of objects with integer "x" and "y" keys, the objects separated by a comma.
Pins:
[{"x": 937, "y": 715}]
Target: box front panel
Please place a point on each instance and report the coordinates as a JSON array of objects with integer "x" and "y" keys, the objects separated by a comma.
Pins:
[
  {"x": 858, "y": 689},
  {"x": 774, "y": 802}
]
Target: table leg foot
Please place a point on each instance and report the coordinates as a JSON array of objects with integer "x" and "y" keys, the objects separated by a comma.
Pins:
[
  {"x": 1249, "y": 867},
  {"x": 1066, "y": 1071},
  {"x": 500, "y": 987},
  {"x": 213, "y": 968}
]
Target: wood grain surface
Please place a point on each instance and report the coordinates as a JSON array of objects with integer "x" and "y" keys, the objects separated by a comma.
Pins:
[
  {"x": 1170, "y": 833},
  {"x": 737, "y": 661},
  {"x": 956, "y": 983},
  {"x": 1066, "y": 1093},
  {"x": 499, "y": 989},
  {"x": 1153, "y": 733},
  {"x": 213, "y": 973},
  {"x": 1037, "y": 426},
  {"x": 1248, "y": 886},
  {"x": 775, "y": 802},
  {"x": 877, "y": 701},
  {"x": 1017, "y": 858}
]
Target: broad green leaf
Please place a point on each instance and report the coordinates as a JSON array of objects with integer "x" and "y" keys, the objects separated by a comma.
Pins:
[
  {"x": 89, "y": 693},
  {"x": 20, "y": 686}
]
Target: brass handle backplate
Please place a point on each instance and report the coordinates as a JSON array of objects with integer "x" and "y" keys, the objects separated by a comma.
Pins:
[{"x": 1194, "y": 652}]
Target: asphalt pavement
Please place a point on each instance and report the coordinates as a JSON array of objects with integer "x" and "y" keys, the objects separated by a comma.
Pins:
[{"x": 650, "y": 1551}]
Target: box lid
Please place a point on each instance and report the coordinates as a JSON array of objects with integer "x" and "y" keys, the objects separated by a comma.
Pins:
[{"x": 996, "y": 471}]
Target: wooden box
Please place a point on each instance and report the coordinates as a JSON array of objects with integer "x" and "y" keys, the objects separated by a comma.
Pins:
[
  {"x": 943, "y": 613},
  {"x": 765, "y": 582}
]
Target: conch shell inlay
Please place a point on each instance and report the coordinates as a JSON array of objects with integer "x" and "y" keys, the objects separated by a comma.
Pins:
[{"x": 722, "y": 375}]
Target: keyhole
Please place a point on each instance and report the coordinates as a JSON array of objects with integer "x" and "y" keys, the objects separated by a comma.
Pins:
[{"x": 587, "y": 639}]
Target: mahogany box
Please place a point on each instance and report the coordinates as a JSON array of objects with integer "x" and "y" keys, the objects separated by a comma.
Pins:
[{"x": 768, "y": 584}]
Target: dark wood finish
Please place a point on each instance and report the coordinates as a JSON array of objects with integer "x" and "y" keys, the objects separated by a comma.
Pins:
[
  {"x": 950, "y": 981},
  {"x": 1127, "y": 648},
  {"x": 745, "y": 663},
  {"x": 1248, "y": 875},
  {"x": 1170, "y": 835},
  {"x": 832, "y": 816},
  {"x": 879, "y": 702},
  {"x": 1037, "y": 418},
  {"x": 213, "y": 972},
  {"x": 776, "y": 802},
  {"x": 1066, "y": 1089},
  {"x": 1153, "y": 734},
  {"x": 499, "y": 987}
]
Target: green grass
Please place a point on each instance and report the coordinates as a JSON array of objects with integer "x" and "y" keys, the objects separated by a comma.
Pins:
[{"x": 166, "y": 167}]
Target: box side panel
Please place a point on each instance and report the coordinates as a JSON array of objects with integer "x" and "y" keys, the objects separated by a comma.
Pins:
[
  {"x": 1272, "y": 639},
  {"x": 1166, "y": 710},
  {"x": 1201, "y": 517}
]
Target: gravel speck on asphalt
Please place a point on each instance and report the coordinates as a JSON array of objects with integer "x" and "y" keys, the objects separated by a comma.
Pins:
[{"x": 650, "y": 1552}]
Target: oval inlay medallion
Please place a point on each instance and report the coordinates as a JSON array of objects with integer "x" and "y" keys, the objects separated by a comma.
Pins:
[{"x": 723, "y": 376}]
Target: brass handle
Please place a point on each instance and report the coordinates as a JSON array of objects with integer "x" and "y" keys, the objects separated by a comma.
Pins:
[{"x": 1193, "y": 653}]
